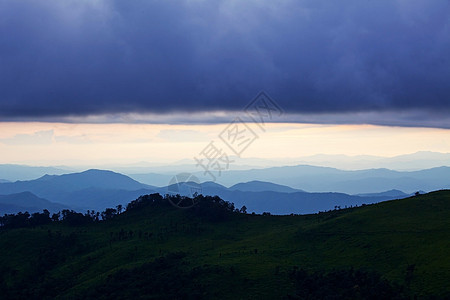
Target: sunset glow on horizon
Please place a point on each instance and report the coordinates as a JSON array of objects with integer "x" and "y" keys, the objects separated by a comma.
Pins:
[{"x": 96, "y": 144}]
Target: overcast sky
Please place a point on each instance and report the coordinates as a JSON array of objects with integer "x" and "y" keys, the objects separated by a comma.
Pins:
[{"x": 66, "y": 59}]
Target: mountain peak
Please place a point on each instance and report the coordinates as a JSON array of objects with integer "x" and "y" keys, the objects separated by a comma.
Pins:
[
  {"x": 100, "y": 179},
  {"x": 262, "y": 186},
  {"x": 47, "y": 177}
]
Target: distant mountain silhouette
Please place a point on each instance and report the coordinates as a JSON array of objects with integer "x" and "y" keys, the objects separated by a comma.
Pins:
[
  {"x": 391, "y": 193},
  {"x": 323, "y": 179},
  {"x": 157, "y": 179},
  {"x": 75, "y": 181},
  {"x": 91, "y": 189},
  {"x": 26, "y": 201},
  {"x": 94, "y": 178},
  {"x": 413, "y": 161},
  {"x": 99, "y": 199},
  {"x": 98, "y": 189},
  {"x": 304, "y": 177},
  {"x": 286, "y": 202},
  {"x": 262, "y": 186},
  {"x": 20, "y": 172}
]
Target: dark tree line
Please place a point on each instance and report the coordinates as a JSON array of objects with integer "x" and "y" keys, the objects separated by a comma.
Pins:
[
  {"x": 66, "y": 216},
  {"x": 211, "y": 208},
  {"x": 25, "y": 219}
]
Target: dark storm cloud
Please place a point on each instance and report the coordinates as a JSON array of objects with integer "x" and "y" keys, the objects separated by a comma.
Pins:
[{"x": 75, "y": 58}]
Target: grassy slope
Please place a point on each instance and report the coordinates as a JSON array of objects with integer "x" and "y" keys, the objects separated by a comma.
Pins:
[{"x": 386, "y": 237}]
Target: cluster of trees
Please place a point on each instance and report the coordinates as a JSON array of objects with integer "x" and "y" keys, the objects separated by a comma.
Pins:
[
  {"x": 25, "y": 219},
  {"x": 212, "y": 208},
  {"x": 147, "y": 200},
  {"x": 66, "y": 216}
]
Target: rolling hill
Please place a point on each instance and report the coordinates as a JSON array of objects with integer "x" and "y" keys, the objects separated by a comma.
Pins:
[
  {"x": 26, "y": 201},
  {"x": 164, "y": 252}
]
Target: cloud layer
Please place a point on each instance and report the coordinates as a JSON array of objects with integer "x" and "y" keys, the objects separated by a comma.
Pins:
[{"x": 79, "y": 58}]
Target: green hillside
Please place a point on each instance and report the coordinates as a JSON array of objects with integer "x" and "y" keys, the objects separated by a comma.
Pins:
[{"x": 156, "y": 251}]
